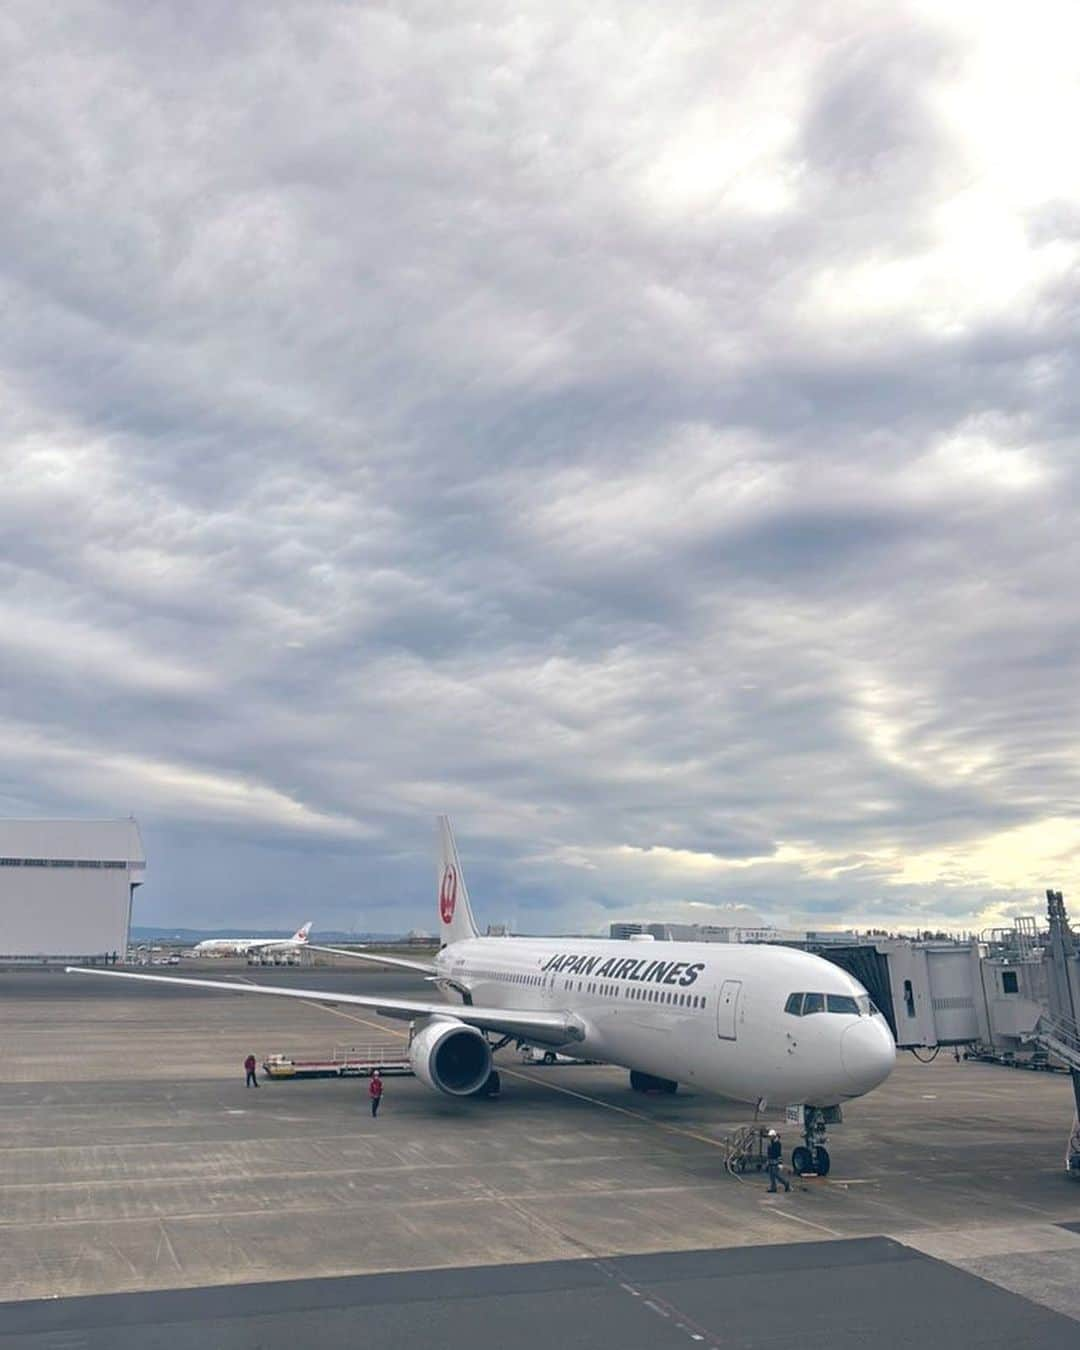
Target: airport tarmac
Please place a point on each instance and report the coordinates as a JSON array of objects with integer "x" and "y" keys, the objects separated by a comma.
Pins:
[{"x": 133, "y": 1159}]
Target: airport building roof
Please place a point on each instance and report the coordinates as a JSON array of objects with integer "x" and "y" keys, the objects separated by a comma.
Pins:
[{"x": 72, "y": 840}]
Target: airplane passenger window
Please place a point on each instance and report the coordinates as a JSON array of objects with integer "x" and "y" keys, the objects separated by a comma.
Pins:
[
  {"x": 794, "y": 1004},
  {"x": 813, "y": 1003},
  {"x": 841, "y": 1003}
]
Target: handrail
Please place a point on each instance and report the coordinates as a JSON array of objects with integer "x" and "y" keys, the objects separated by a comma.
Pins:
[
  {"x": 1062, "y": 1028},
  {"x": 1060, "y": 1034}
]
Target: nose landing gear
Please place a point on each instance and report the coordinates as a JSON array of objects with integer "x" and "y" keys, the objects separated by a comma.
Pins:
[{"x": 811, "y": 1158}]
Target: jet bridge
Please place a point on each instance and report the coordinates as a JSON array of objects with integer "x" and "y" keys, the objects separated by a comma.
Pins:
[{"x": 1011, "y": 995}]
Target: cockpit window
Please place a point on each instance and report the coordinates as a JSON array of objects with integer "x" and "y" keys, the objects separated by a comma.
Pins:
[{"x": 802, "y": 1005}]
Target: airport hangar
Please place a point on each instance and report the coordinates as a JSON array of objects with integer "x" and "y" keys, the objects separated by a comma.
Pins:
[{"x": 66, "y": 887}]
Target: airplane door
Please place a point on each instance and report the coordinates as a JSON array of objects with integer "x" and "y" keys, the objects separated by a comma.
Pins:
[{"x": 726, "y": 1008}]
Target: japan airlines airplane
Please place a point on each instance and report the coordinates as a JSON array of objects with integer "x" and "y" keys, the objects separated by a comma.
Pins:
[
  {"x": 242, "y": 946},
  {"x": 760, "y": 1024}
]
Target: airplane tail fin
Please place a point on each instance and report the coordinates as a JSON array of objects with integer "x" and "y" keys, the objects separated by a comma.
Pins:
[
  {"x": 456, "y": 920},
  {"x": 301, "y": 934}
]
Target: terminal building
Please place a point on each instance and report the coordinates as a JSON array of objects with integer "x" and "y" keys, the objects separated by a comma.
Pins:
[
  {"x": 66, "y": 887},
  {"x": 703, "y": 932}
]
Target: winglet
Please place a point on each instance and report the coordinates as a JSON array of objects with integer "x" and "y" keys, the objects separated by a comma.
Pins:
[{"x": 456, "y": 920}]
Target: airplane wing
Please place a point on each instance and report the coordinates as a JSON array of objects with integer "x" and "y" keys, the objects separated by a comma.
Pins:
[
  {"x": 540, "y": 1027},
  {"x": 423, "y": 967}
]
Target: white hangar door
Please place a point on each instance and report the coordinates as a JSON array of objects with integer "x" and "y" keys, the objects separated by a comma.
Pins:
[{"x": 727, "y": 1007}]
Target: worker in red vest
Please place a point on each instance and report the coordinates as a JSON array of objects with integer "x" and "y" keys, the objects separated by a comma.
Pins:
[
  {"x": 375, "y": 1092},
  {"x": 249, "y": 1069}
]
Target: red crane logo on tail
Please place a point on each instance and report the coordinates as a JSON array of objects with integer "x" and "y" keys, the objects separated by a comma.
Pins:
[{"x": 448, "y": 895}]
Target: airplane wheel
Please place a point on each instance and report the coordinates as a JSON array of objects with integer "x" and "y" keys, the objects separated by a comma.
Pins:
[
  {"x": 822, "y": 1161},
  {"x": 549, "y": 1056},
  {"x": 802, "y": 1160}
]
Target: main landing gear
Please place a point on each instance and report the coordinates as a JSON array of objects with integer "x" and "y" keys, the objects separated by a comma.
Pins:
[
  {"x": 645, "y": 1082},
  {"x": 811, "y": 1158}
]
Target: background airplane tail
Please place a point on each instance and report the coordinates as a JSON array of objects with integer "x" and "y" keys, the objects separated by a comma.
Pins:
[
  {"x": 301, "y": 934},
  {"x": 455, "y": 913}
]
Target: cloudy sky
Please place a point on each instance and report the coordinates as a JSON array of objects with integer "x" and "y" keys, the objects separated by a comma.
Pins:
[{"x": 646, "y": 432}]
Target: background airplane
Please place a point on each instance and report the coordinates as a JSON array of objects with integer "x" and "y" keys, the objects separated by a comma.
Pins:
[{"x": 240, "y": 946}]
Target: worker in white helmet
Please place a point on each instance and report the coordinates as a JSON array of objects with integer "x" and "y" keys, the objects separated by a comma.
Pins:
[{"x": 773, "y": 1154}]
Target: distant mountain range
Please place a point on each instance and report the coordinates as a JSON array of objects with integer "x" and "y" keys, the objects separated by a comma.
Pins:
[{"x": 324, "y": 935}]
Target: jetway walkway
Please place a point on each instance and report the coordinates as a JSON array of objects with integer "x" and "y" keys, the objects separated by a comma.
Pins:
[{"x": 1010, "y": 996}]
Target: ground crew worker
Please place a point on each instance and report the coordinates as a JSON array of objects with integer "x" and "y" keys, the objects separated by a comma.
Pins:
[
  {"x": 249, "y": 1069},
  {"x": 773, "y": 1154},
  {"x": 375, "y": 1092}
]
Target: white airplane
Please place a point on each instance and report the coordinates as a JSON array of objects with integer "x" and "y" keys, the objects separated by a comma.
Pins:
[
  {"x": 243, "y": 946},
  {"x": 760, "y": 1024}
]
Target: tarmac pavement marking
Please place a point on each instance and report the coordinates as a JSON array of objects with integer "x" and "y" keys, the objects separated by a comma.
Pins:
[{"x": 786, "y": 1214}]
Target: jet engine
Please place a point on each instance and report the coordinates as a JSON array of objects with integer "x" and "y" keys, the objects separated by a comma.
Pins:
[{"x": 450, "y": 1057}]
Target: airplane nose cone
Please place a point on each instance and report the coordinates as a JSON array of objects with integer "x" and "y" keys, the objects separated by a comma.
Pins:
[{"x": 868, "y": 1053}]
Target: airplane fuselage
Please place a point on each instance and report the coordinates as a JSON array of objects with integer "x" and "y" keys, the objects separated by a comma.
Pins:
[{"x": 709, "y": 1014}]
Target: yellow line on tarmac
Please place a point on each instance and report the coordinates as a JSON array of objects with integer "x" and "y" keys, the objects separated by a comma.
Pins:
[
  {"x": 351, "y": 1017},
  {"x": 619, "y": 1110},
  {"x": 568, "y": 1092},
  {"x": 528, "y": 1078}
]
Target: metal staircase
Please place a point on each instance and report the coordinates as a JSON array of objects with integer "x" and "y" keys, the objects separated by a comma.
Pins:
[{"x": 1060, "y": 1036}]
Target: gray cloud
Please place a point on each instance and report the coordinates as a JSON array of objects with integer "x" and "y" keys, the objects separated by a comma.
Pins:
[{"x": 649, "y": 436}]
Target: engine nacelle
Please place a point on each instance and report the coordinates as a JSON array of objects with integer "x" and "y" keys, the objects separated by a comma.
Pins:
[{"x": 450, "y": 1057}]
